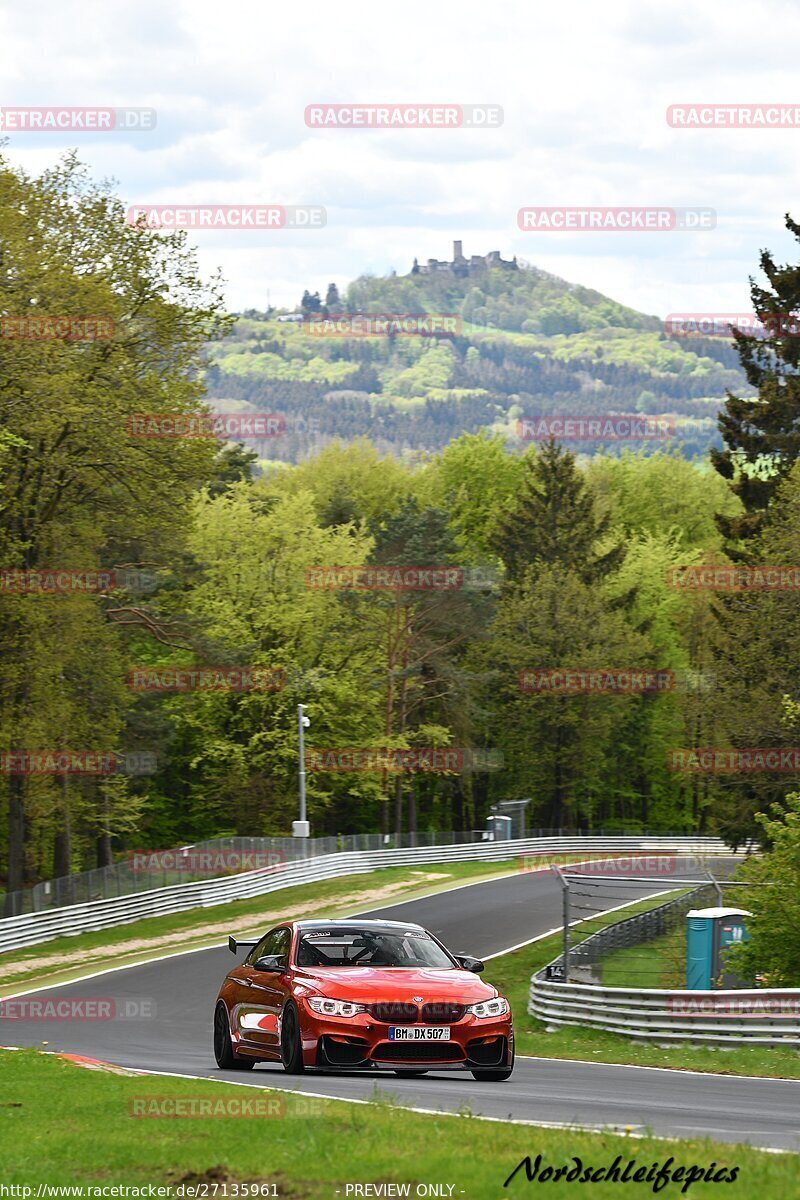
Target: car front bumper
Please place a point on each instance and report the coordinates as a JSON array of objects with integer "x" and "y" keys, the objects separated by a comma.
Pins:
[{"x": 363, "y": 1043}]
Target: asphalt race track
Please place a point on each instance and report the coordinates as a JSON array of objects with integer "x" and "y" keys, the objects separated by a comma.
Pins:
[{"x": 481, "y": 919}]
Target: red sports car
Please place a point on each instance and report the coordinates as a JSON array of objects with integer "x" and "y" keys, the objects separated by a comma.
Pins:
[{"x": 353, "y": 995}]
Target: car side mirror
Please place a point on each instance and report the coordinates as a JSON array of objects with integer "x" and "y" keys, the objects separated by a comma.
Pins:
[
  {"x": 470, "y": 964},
  {"x": 271, "y": 962}
]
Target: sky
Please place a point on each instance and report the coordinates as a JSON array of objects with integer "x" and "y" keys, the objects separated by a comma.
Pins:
[{"x": 584, "y": 90}]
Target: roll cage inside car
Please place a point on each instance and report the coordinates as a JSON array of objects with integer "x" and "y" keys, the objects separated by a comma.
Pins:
[
  {"x": 371, "y": 947},
  {"x": 366, "y": 944}
]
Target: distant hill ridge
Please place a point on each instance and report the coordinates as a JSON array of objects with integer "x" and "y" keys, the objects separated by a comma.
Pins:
[{"x": 531, "y": 344}]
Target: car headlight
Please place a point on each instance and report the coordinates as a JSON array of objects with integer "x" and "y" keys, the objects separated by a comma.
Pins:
[
  {"x": 489, "y": 1008},
  {"x": 334, "y": 1008}
]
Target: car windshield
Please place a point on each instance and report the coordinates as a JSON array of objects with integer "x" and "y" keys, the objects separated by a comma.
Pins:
[{"x": 370, "y": 948}]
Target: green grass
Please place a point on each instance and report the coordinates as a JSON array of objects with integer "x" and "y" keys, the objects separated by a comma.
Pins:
[
  {"x": 511, "y": 974},
  {"x": 660, "y": 963},
  {"x": 66, "y": 1126}
]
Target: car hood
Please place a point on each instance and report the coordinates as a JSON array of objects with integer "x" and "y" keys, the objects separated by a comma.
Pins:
[{"x": 366, "y": 985}]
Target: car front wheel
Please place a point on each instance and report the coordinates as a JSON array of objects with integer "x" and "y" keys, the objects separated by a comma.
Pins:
[{"x": 291, "y": 1045}]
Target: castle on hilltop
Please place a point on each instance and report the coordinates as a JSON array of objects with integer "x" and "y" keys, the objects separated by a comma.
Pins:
[{"x": 464, "y": 266}]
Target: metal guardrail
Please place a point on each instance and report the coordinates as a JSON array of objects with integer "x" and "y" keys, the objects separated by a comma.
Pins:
[
  {"x": 125, "y": 878},
  {"x": 755, "y": 1016},
  {"x": 31, "y": 929}
]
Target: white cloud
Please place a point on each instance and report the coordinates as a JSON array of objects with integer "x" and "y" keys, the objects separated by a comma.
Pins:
[{"x": 584, "y": 90}]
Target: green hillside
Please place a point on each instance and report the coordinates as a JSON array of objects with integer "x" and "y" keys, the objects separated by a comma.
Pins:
[{"x": 528, "y": 344}]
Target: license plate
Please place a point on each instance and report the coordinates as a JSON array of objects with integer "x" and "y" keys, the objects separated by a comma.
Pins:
[{"x": 416, "y": 1033}]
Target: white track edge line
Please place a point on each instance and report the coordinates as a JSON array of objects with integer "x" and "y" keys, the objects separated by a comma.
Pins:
[
  {"x": 487, "y": 958},
  {"x": 437, "y": 1112}
]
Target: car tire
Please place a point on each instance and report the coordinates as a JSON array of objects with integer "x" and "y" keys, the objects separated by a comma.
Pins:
[
  {"x": 291, "y": 1045},
  {"x": 223, "y": 1049},
  {"x": 410, "y": 1074}
]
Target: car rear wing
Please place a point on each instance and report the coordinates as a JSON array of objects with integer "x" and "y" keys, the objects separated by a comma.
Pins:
[{"x": 235, "y": 944}]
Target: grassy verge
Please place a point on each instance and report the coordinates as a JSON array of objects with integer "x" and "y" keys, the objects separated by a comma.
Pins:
[
  {"x": 65, "y": 1126},
  {"x": 660, "y": 963},
  {"x": 511, "y": 974},
  {"x": 65, "y": 958}
]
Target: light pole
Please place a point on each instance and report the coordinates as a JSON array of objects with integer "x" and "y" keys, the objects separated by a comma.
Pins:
[{"x": 300, "y": 828}]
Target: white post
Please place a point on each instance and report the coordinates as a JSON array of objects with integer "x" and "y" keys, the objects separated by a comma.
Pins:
[{"x": 301, "y": 828}]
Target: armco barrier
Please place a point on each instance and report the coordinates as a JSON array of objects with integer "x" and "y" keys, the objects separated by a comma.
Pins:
[
  {"x": 125, "y": 878},
  {"x": 32, "y": 928},
  {"x": 763, "y": 1016}
]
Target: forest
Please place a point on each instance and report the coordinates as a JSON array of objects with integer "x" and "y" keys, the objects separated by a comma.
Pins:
[
  {"x": 525, "y": 344},
  {"x": 241, "y": 587}
]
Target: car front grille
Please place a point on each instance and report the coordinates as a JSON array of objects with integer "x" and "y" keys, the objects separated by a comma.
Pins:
[
  {"x": 442, "y": 1014},
  {"x": 418, "y": 1052},
  {"x": 396, "y": 1013}
]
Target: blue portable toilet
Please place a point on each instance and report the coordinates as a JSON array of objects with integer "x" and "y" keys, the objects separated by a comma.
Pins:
[
  {"x": 708, "y": 932},
  {"x": 499, "y": 828}
]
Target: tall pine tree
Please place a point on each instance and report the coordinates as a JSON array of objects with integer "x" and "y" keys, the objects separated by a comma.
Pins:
[
  {"x": 554, "y": 522},
  {"x": 762, "y": 435}
]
